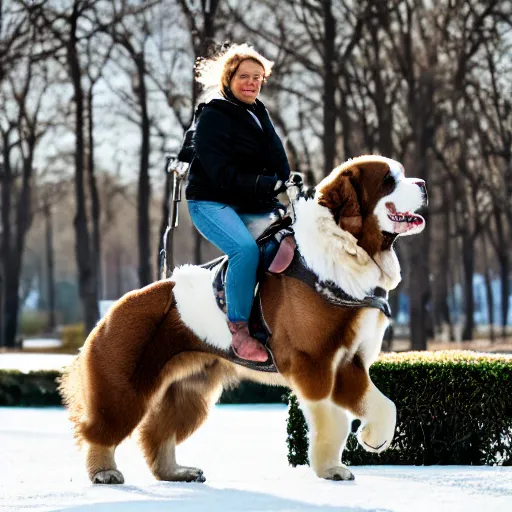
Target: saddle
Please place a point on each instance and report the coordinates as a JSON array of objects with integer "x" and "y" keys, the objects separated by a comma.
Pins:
[
  {"x": 277, "y": 249},
  {"x": 279, "y": 255}
]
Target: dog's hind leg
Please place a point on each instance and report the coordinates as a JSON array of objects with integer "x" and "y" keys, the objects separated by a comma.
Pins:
[
  {"x": 101, "y": 465},
  {"x": 172, "y": 419},
  {"x": 108, "y": 423}
]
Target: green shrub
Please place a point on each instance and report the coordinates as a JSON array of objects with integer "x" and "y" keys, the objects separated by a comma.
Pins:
[
  {"x": 33, "y": 322},
  {"x": 454, "y": 407},
  {"x": 73, "y": 336},
  {"x": 252, "y": 393},
  {"x": 29, "y": 389},
  {"x": 39, "y": 388},
  {"x": 297, "y": 430}
]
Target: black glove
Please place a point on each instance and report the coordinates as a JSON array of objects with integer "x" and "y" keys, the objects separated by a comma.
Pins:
[
  {"x": 265, "y": 186},
  {"x": 280, "y": 187}
]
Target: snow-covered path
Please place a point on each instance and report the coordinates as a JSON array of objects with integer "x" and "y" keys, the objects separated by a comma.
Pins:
[{"x": 242, "y": 451}]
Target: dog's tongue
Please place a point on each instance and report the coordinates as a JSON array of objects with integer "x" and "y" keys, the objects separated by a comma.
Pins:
[{"x": 404, "y": 226}]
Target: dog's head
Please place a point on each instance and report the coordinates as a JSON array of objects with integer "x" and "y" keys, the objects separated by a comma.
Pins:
[{"x": 371, "y": 198}]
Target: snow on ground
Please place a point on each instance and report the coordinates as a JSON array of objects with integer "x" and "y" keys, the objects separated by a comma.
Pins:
[
  {"x": 42, "y": 343},
  {"x": 27, "y": 362},
  {"x": 242, "y": 451}
]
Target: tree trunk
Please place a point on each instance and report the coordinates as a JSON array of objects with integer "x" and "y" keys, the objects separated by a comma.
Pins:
[
  {"x": 144, "y": 196},
  {"x": 441, "y": 291},
  {"x": 346, "y": 127},
  {"x": 206, "y": 39},
  {"x": 2, "y": 320},
  {"x": 11, "y": 297},
  {"x": 420, "y": 290},
  {"x": 389, "y": 335},
  {"x": 383, "y": 109},
  {"x": 95, "y": 200},
  {"x": 87, "y": 283},
  {"x": 16, "y": 246},
  {"x": 419, "y": 300},
  {"x": 468, "y": 263},
  {"x": 329, "y": 102},
  {"x": 6, "y": 240},
  {"x": 422, "y": 123},
  {"x": 50, "y": 266},
  {"x": 505, "y": 291},
  {"x": 503, "y": 258},
  {"x": 488, "y": 289},
  {"x": 118, "y": 256}
]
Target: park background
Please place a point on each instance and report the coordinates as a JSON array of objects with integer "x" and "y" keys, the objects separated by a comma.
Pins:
[{"x": 95, "y": 93}]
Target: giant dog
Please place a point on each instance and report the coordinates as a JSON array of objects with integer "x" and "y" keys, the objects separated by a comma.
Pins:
[{"x": 152, "y": 362}]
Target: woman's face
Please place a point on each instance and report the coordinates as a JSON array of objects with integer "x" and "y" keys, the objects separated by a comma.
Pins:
[{"x": 246, "y": 82}]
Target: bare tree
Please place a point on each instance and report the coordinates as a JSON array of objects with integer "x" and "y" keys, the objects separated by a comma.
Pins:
[
  {"x": 319, "y": 38},
  {"x": 14, "y": 34},
  {"x": 27, "y": 85},
  {"x": 14, "y": 31},
  {"x": 493, "y": 104},
  {"x": 96, "y": 61},
  {"x": 68, "y": 27},
  {"x": 201, "y": 16},
  {"x": 138, "y": 33},
  {"x": 420, "y": 33},
  {"x": 50, "y": 189}
]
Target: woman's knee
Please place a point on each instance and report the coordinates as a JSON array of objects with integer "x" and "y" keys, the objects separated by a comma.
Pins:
[{"x": 247, "y": 251}]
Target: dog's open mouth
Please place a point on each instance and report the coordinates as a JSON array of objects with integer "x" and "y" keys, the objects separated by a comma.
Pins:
[{"x": 403, "y": 222}]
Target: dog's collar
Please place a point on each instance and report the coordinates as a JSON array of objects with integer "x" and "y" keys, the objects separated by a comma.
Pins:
[{"x": 332, "y": 292}]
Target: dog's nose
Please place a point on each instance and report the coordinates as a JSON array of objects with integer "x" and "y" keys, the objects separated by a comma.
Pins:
[{"x": 423, "y": 188}]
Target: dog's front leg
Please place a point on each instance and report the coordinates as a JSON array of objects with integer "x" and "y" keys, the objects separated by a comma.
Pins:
[
  {"x": 378, "y": 414},
  {"x": 329, "y": 426},
  {"x": 355, "y": 392}
]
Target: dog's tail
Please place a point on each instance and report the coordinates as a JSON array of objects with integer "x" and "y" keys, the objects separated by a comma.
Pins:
[{"x": 71, "y": 390}]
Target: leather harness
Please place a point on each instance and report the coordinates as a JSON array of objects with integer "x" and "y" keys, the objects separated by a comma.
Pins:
[{"x": 332, "y": 293}]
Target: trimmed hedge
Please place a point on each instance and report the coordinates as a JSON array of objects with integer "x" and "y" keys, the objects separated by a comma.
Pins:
[
  {"x": 252, "y": 393},
  {"x": 73, "y": 336},
  {"x": 29, "y": 389},
  {"x": 454, "y": 407},
  {"x": 39, "y": 388}
]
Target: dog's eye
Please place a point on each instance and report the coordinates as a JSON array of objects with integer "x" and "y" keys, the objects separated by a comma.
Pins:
[
  {"x": 389, "y": 179},
  {"x": 389, "y": 182}
]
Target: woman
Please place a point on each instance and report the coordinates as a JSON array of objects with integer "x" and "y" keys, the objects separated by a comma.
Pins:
[{"x": 240, "y": 168}]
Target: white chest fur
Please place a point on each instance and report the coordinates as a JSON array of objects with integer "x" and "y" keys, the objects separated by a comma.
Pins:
[{"x": 333, "y": 254}]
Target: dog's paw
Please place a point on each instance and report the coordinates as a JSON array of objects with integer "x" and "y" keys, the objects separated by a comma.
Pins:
[
  {"x": 374, "y": 438},
  {"x": 376, "y": 435},
  {"x": 336, "y": 473},
  {"x": 110, "y": 476},
  {"x": 184, "y": 474}
]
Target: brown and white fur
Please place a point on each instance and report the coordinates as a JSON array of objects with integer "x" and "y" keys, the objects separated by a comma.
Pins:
[{"x": 149, "y": 363}]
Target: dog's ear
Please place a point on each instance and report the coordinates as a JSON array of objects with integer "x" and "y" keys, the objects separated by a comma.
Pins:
[{"x": 341, "y": 198}]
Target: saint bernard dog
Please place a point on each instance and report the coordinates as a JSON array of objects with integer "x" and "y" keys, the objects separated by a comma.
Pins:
[{"x": 152, "y": 363}]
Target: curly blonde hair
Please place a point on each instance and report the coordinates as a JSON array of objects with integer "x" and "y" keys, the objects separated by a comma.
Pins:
[{"x": 217, "y": 71}]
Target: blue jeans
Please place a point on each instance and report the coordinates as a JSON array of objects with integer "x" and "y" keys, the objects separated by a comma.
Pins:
[{"x": 229, "y": 231}]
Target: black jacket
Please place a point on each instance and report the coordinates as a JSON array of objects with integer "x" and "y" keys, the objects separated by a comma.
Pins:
[{"x": 236, "y": 162}]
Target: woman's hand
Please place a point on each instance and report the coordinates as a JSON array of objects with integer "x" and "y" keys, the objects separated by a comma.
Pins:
[
  {"x": 265, "y": 186},
  {"x": 280, "y": 187},
  {"x": 269, "y": 186}
]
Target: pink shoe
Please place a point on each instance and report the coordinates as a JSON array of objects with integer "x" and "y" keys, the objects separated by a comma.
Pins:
[{"x": 244, "y": 345}]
